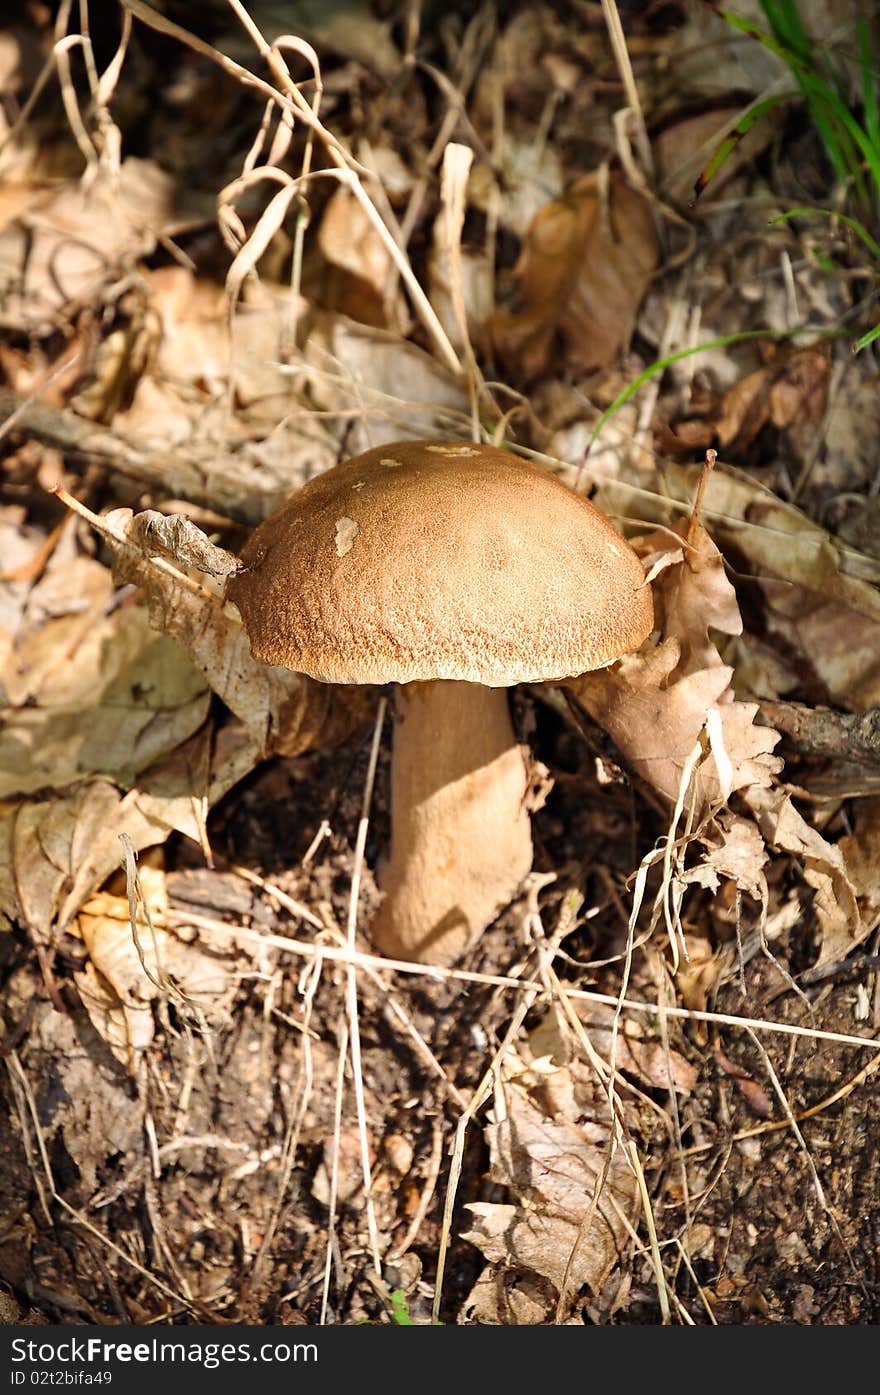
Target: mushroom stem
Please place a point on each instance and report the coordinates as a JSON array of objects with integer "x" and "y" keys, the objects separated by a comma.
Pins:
[{"x": 461, "y": 838}]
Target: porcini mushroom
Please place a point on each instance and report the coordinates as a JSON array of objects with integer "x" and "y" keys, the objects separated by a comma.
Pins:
[{"x": 454, "y": 571}]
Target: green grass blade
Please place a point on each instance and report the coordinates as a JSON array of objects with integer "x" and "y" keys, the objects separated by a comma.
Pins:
[
  {"x": 852, "y": 223},
  {"x": 869, "y": 83},
  {"x": 866, "y": 339},
  {"x": 749, "y": 118},
  {"x": 661, "y": 364}
]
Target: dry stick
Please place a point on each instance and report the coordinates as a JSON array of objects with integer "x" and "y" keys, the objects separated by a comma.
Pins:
[
  {"x": 403, "y": 966},
  {"x": 352, "y": 996},
  {"x": 826, "y": 733}
]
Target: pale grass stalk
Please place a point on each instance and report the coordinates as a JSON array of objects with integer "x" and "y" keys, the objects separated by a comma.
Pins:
[
  {"x": 110, "y": 77},
  {"x": 485, "y": 1084},
  {"x": 64, "y": 42},
  {"x": 391, "y": 1008},
  {"x": 457, "y": 161},
  {"x": 338, "y": 1093},
  {"x": 347, "y": 168},
  {"x": 490, "y": 1078},
  {"x": 351, "y": 983},
  {"x": 627, "y": 77},
  {"x": 701, "y": 1292},
  {"x": 648, "y": 1213},
  {"x": 434, "y": 971}
]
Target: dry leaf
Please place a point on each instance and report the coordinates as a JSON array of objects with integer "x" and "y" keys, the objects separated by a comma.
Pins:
[
  {"x": 781, "y": 395},
  {"x": 284, "y": 711},
  {"x": 585, "y": 266},
  {"x": 861, "y": 855},
  {"x": 552, "y": 1163},
  {"x": 823, "y": 608},
  {"x": 55, "y": 851},
  {"x": 755, "y": 1095},
  {"x": 95, "y": 693},
  {"x": 638, "y": 1052},
  {"x": 824, "y": 869},
  {"x": 62, "y": 251},
  {"x": 350, "y": 243},
  {"x": 658, "y": 703},
  {"x": 128, "y": 971}
]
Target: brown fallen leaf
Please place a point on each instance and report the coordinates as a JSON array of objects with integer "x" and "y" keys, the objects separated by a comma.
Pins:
[
  {"x": 128, "y": 971},
  {"x": 659, "y": 703},
  {"x": 824, "y": 869},
  {"x": 61, "y": 250},
  {"x": 552, "y": 1162},
  {"x": 586, "y": 263},
  {"x": 754, "y": 1095},
  {"x": 362, "y": 264},
  {"x": 861, "y": 853},
  {"x": 782, "y": 393},
  {"x": 638, "y": 1052}
]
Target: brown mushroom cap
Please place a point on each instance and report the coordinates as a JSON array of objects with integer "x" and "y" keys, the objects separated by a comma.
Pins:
[{"x": 429, "y": 559}]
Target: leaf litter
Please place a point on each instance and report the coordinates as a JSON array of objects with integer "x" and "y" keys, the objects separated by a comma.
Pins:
[{"x": 133, "y": 706}]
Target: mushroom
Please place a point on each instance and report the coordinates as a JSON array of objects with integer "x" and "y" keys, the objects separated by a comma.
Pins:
[{"x": 453, "y": 571}]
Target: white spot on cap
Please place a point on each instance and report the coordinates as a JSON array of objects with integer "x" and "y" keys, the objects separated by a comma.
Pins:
[
  {"x": 346, "y": 532},
  {"x": 452, "y": 449},
  {"x": 390, "y": 463},
  {"x": 358, "y": 484},
  {"x": 616, "y": 550}
]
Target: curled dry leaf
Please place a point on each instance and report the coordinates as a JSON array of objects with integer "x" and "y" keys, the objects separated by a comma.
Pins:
[
  {"x": 586, "y": 263},
  {"x": 552, "y": 1162},
  {"x": 782, "y": 394},
  {"x": 176, "y": 538},
  {"x": 94, "y": 691},
  {"x": 64, "y": 249},
  {"x": 127, "y": 971},
  {"x": 658, "y": 703},
  {"x": 639, "y": 1052}
]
